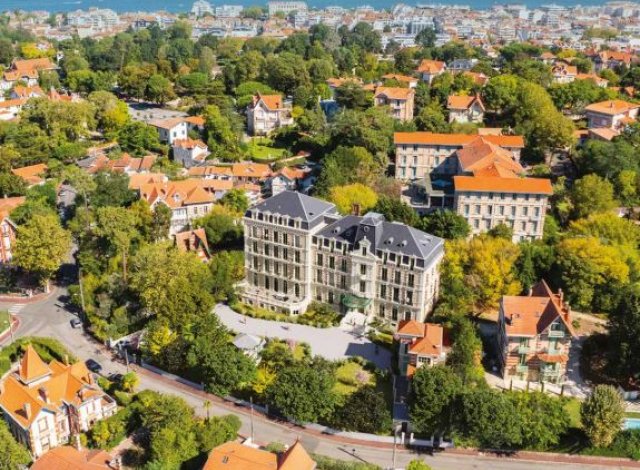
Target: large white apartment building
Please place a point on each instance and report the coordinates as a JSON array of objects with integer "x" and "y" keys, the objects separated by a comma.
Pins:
[
  {"x": 286, "y": 7},
  {"x": 299, "y": 249}
]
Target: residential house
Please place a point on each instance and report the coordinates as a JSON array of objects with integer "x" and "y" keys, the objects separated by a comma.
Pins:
[
  {"x": 214, "y": 172},
  {"x": 464, "y": 109},
  {"x": 188, "y": 200},
  {"x": 10, "y": 109},
  {"x": 8, "y": 229},
  {"x": 489, "y": 190},
  {"x": 250, "y": 345},
  {"x": 299, "y": 249},
  {"x": 601, "y": 82},
  {"x": 25, "y": 70},
  {"x": 125, "y": 163},
  {"x": 236, "y": 456},
  {"x": 419, "y": 154},
  {"x": 189, "y": 152},
  {"x": 430, "y": 69},
  {"x": 45, "y": 404},
  {"x": 564, "y": 73},
  {"x": 612, "y": 60},
  {"x": 614, "y": 114},
  {"x": 249, "y": 172},
  {"x": 535, "y": 333},
  {"x": 266, "y": 113},
  {"x": 420, "y": 344},
  {"x": 287, "y": 179},
  {"x": 334, "y": 83},
  {"x": 194, "y": 241},
  {"x": 195, "y": 123},
  {"x": 171, "y": 129},
  {"x": 478, "y": 78},
  {"x": 400, "y": 100},
  {"x": 461, "y": 65},
  {"x": 26, "y": 92},
  {"x": 70, "y": 458},
  {"x": 410, "y": 82},
  {"x": 32, "y": 175}
]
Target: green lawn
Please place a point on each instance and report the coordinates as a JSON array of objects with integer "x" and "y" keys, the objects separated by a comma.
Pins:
[
  {"x": 573, "y": 410},
  {"x": 632, "y": 414},
  {"x": 262, "y": 149},
  {"x": 350, "y": 376},
  {"x": 4, "y": 320}
]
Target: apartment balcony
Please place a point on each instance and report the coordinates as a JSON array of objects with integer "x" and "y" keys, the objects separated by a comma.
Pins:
[
  {"x": 522, "y": 369},
  {"x": 524, "y": 349}
]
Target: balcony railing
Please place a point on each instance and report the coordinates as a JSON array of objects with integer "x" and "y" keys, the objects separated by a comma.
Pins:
[
  {"x": 522, "y": 369},
  {"x": 523, "y": 349},
  {"x": 556, "y": 334}
]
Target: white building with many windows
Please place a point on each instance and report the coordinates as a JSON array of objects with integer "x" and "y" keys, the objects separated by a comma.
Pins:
[{"x": 298, "y": 249}]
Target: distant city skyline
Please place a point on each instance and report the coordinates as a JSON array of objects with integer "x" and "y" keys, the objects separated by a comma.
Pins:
[{"x": 121, "y": 6}]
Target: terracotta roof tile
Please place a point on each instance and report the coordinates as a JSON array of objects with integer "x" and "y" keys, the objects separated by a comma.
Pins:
[
  {"x": 431, "y": 66},
  {"x": 272, "y": 102},
  {"x": 455, "y": 140},
  {"x": 69, "y": 458},
  {"x": 395, "y": 93},
  {"x": 235, "y": 456},
  {"x": 296, "y": 458},
  {"x": 611, "y": 107},
  {"x": 498, "y": 184},
  {"x": 32, "y": 367},
  {"x": 463, "y": 102}
]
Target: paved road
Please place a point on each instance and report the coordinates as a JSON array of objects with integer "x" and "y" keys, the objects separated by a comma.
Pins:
[
  {"x": 49, "y": 318},
  {"x": 331, "y": 343}
]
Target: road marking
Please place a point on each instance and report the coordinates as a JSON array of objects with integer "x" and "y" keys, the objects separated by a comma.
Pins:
[{"x": 15, "y": 308}]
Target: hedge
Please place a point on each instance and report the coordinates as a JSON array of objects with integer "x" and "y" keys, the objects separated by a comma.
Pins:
[{"x": 48, "y": 349}]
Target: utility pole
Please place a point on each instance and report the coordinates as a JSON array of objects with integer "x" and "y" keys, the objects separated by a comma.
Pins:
[{"x": 395, "y": 435}]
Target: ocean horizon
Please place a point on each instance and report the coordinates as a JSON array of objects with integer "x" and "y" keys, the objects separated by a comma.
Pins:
[{"x": 180, "y": 6}]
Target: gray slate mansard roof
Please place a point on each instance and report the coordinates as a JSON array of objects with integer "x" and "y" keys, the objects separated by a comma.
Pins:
[
  {"x": 385, "y": 236},
  {"x": 296, "y": 205}
]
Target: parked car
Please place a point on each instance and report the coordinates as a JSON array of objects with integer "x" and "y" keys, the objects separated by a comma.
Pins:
[
  {"x": 93, "y": 366},
  {"x": 76, "y": 323}
]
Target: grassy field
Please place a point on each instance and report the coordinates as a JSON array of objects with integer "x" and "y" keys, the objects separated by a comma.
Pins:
[
  {"x": 4, "y": 320},
  {"x": 350, "y": 376},
  {"x": 261, "y": 149}
]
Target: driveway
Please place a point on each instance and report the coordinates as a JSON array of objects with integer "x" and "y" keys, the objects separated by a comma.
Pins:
[{"x": 331, "y": 343}]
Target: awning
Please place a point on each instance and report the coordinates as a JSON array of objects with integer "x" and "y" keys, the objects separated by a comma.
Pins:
[{"x": 353, "y": 301}]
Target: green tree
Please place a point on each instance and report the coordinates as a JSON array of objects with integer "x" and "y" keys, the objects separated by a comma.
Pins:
[
  {"x": 138, "y": 138},
  {"x": 365, "y": 410},
  {"x": 351, "y": 95},
  {"x": 235, "y": 200},
  {"x": 159, "y": 89},
  {"x": 490, "y": 419},
  {"x": 130, "y": 382},
  {"x": 161, "y": 221},
  {"x": 624, "y": 327},
  {"x": 417, "y": 465},
  {"x": 221, "y": 366},
  {"x": 216, "y": 431},
  {"x": 117, "y": 226},
  {"x": 346, "y": 166},
  {"x": 227, "y": 269},
  {"x": 222, "y": 137},
  {"x": 501, "y": 231},
  {"x": 111, "y": 113},
  {"x": 302, "y": 393},
  {"x": 431, "y": 118},
  {"x": 592, "y": 194},
  {"x": 396, "y": 210},
  {"x": 221, "y": 228},
  {"x": 12, "y": 454},
  {"x": 112, "y": 189},
  {"x": 602, "y": 414},
  {"x": 544, "y": 419},
  {"x": 445, "y": 224},
  {"x": 433, "y": 393},
  {"x": 426, "y": 38},
  {"x": 11, "y": 185},
  {"x": 466, "y": 354},
  {"x": 41, "y": 246}
]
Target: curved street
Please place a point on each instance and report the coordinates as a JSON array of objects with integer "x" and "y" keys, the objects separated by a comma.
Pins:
[{"x": 49, "y": 317}]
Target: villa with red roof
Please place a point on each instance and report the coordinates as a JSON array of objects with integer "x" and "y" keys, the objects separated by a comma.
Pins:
[
  {"x": 430, "y": 69},
  {"x": 399, "y": 100},
  {"x": 465, "y": 109},
  {"x": 266, "y": 113},
  {"x": 45, "y": 404},
  {"x": 534, "y": 335},
  {"x": 420, "y": 344},
  {"x": 612, "y": 114}
]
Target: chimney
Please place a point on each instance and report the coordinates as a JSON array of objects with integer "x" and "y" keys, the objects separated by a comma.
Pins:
[
  {"x": 560, "y": 295},
  {"x": 355, "y": 209},
  {"x": 27, "y": 410},
  {"x": 530, "y": 291}
]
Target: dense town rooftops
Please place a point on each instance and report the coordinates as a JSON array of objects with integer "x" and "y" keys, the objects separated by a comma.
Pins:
[{"x": 455, "y": 140}]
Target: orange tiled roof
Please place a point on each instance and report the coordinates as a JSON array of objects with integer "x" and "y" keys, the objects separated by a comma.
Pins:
[
  {"x": 293, "y": 173},
  {"x": 562, "y": 69},
  {"x": 411, "y": 328},
  {"x": 169, "y": 123},
  {"x": 251, "y": 170},
  {"x": 463, "y": 102},
  {"x": 7, "y": 204},
  {"x": 296, "y": 458},
  {"x": 499, "y": 184},
  {"x": 235, "y": 456},
  {"x": 431, "y": 66},
  {"x": 431, "y": 342},
  {"x": 189, "y": 143},
  {"x": 69, "y": 458},
  {"x": 210, "y": 170},
  {"x": 591, "y": 76},
  {"x": 611, "y": 107},
  {"x": 57, "y": 383},
  {"x": 482, "y": 154},
  {"x": 137, "y": 180},
  {"x": 31, "y": 174},
  {"x": 531, "y": 315},
  {"x": 273, "y": 102},
  {"x": 395, "y": 93},
  {"x": 562, "y": 358},
  {"x": 455, "y": 140},
  {"x": 26, "y": 91},
  {"x": 193, "y": 240},
  {"x": 336, "y": 82},
  {"x": 32, "y": 367},
  {"x": 478, "y": 78},
  {"x": 176, "y": 193},
  {"x": 195, "y": 120},
  {"x": 13, "y": 103}
]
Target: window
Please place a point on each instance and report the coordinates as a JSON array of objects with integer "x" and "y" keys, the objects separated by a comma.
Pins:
[
  {"x": 363, "y": 286},
  {"x": 276, "y": 252},
  {"x": 275, "y": 284},
  {"x": 477, "y": 208},
  {"x": 536, "y": 212},
  {"x": 409, "y": 298},
  {"x": 343, "y": 265},
  {"x": 381, "y": 311},
  {"x": 267, "y": 266},
  {"x": 255, "y": 247},
  {"x": 296, "y": 289},
  {"x": 411, "y": 280},
  {"x": 330, "y": 297},
  {"x": 319, "y": 259},
  {"x": 513, "y": 210},
  {"x": 332, "y": 262},
  {"x": 384, "y": 274},
  {"x": 383, "y": 291},
  {"x": 267, "y": 250},
  {"x": 267, "y": 283},
  {"x": 363, "y": 269},
  {"x": 319, "y": 275},
  {"x": 397, "y": 277},
  {"x": 394, "y": 314},
  {"x": 407, "y": 316},
  {"x": 297, "y": 256},
  {"x": 396, "y": 294},
  {"x": 364, "y": 251},
  {"x": 525, "y": 211},
  {"x": 296, "y": 272},
  {"x": 343, "y": 282}
]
